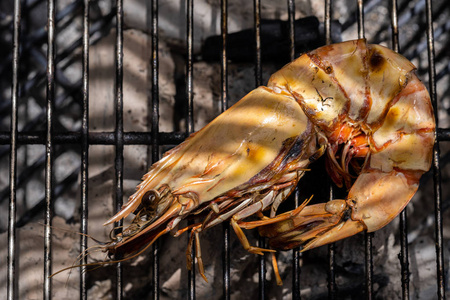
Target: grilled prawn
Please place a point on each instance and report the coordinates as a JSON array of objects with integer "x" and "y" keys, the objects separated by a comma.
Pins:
[{"x": 360, "y": 104}]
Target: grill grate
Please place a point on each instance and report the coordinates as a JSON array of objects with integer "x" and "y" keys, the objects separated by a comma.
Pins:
[{"x": 57, "y": 142}]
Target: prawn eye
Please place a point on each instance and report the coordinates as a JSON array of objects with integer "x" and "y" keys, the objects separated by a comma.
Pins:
[
  {"x": 147, "y": 199},
  {"x": 146, "y": 203}
]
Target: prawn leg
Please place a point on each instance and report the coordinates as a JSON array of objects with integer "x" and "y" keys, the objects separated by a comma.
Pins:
[
  {"x": 198, "y": 253},
  {"x": 244, "y": 241},
  {"x": 266, "y": 221}
]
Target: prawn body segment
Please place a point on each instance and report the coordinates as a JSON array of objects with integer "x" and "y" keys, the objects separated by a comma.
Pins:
[{"x": 361, "y": 105}]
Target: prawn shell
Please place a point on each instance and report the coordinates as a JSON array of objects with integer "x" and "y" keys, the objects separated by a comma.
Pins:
[
  {"x": 350, "y": 81},
  {"x": 408, "y": 126},
  {"x": 228, "y": 152}
]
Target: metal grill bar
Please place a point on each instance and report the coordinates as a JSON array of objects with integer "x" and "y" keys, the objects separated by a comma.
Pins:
[
  {"x": 369, "y": 264},
  {"x": 331, "y": 247},
  {"x": 95, "y": 138},
  {"x": 291, "y": 14},
  {"x": 443, "y": 134},
  {"x": 404, "y": 256},
  {"x": 360, "y": 18},
  {"x": 189, "y": 66},
  {"x": 332, "y": 289},
  {"x": 224, "y": 105},
  {"x": 327, "y": 22},
  {"x": 11, "y": 278},
  {"x": 190, "y": 114},
  {"x": 436, "y": 154},
  {"x": 258, "y": 68},
  {"x": 155, "y": 126},
  {"x": 84, "y": 150},
  {"x": 296, "y": 260},
  {"x": 129, "y": 138},
  {"x": 296, "y": 254},
  {"x": 367, "y": 236},
  {"x": 49, "y": 150},
  {"x": 119, "y": 135},
  {"x": 258, "y": 82}
]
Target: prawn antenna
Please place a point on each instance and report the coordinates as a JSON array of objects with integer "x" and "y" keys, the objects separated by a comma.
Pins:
[
  {"x": 102, "y": 263},
  {"x": 75, "y": 232}
]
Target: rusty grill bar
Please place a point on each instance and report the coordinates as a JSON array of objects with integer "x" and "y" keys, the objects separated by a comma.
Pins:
[{"x": 155, "y": 138}]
